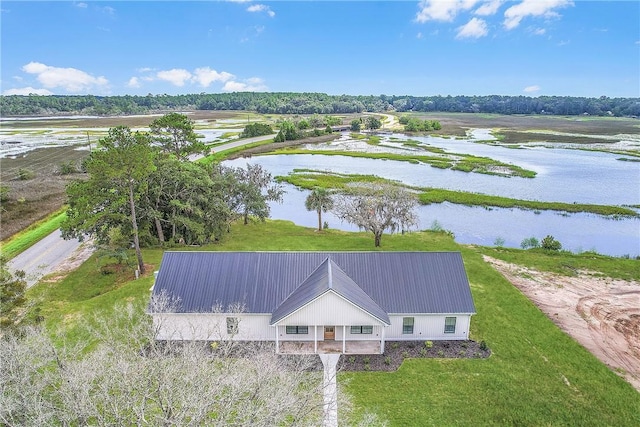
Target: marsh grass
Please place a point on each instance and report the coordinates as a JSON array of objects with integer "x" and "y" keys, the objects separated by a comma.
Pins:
[
  {"x": 309, "y": 178},
  {"x": 461, "y": 162}
]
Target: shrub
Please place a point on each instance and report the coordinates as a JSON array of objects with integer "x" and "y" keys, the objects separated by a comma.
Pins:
[
  {"x": 352, "y": 359},
  {"x": 550, "y": 243},
  {"x": 405, "y": 354},
  {"x": 423, "y": 352},
  {"x": 25, "y": 174},
  {"x": 68, "y": 168},
  {"x": 4, "y": 193},
  {"x": 483, "y": 345},
  {"x": 387, "y": 360},
  {"x": 530, "y": 242},
  {"x": 394, "y": 345},
  {"x": 366, "y": 360},
  {"x": 428, "y": 344}
]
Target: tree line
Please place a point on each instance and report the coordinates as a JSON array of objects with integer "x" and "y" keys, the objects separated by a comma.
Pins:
[{"x": 315, "y": 103}]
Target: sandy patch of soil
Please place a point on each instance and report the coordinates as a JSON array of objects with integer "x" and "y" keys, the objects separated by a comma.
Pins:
[
  {"x": 601, "y": 313},
  {"x": 73, "y": 261}
]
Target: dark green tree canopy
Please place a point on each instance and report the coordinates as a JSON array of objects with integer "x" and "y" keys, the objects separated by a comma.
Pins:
[{"x": 174, "y": 133}]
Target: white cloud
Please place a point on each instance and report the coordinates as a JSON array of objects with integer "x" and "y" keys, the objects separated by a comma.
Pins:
[
  {"x": 81, "y": 5},
  {"x": 475, "y": 28},
  {"x": 253, "y": 84},
  {"x": 176, "y": 76},
  {"x": 419, "y": 36},
  {"x": 27, "y": 91},
  {"x": 515, "y": 14},
  {"x": 108, "y": 10},
  {"x": 489, "y": 8},
  {"x": 205, "y": 76},
  {"x": 69, "y": 79},
  {"x": 531, "y": 89},
  {"x": 261, "y": 8},
  {"x": 442, "y": 10},
  {"x": 133, "y": 82},
  {"x": 539, "y": 31}
]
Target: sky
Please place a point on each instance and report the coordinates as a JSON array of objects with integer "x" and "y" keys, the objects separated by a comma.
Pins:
[{"x": 419, "y": 48}]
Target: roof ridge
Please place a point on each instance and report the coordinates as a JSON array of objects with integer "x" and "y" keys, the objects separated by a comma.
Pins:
[{"x": 329, "y": 273}]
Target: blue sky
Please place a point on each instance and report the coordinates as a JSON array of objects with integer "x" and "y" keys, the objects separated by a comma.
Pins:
[{"x": 428, "y": 47}]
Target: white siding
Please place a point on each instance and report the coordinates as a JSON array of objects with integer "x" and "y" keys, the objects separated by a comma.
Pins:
[
  {"x": 212, "y": 327},
  {"x": 330, "y": 309},
  {"x": 428, "y": 327}
]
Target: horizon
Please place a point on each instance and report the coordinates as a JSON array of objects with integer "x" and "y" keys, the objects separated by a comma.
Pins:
[{"x": 426, "y": 48}]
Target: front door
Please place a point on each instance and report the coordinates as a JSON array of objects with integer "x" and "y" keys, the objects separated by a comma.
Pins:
[{"x": 329, "y": 333}]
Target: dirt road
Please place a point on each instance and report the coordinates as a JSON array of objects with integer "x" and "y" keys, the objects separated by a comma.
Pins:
[{"x": 601, "y": 313}]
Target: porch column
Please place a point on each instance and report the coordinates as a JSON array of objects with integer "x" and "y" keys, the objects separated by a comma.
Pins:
[
  {"x": 344, "y": 336},
  {"x": 382, "y": 339},
  {"x": 277, "y": 342},
  {"x": 315, "y": 338}
]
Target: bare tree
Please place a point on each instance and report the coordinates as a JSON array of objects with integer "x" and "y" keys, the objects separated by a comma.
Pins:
[
  {"x": 125, "y": 377},
  {"x": 378, "y": 208}
]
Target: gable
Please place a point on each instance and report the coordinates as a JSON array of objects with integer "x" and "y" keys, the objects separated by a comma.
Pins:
[
  {"x": 329, "y": 276},
  {"x": 329, "y": 309},
  {"x": 398, "y": 282}
]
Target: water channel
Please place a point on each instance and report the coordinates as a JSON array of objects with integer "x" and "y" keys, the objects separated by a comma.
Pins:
[{"x": 564, "y": 175}]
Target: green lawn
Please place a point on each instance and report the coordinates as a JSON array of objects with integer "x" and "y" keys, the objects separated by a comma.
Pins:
[
  {"x": 536, "y": 375},
  {"x": 23, "y": 240}
]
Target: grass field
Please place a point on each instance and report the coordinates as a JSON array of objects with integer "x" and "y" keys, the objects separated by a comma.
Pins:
[
  {"x": 23, "y": 240},
  {"x": 536, "y": 375}
]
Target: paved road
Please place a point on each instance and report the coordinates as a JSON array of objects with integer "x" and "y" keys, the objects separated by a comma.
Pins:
[{"x": 43, "y": 257}]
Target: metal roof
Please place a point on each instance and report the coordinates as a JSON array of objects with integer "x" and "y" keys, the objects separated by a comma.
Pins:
[
  {"x": 326, "y": 278},
  {"x": 397, "y": 282}
]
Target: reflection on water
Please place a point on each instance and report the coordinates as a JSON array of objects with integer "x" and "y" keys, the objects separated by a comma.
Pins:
[
  {"x": 577, "y": 232},
  {"x": 563, "y": 175}
]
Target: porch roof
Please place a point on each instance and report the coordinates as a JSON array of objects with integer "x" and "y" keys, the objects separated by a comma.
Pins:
[{"x": 326, "y": 278}]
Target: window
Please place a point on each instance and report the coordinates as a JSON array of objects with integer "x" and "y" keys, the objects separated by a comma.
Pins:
[
  {"x": 300, "y": 330},
  {"x": 449, "y": 325},
  {"x": 232, "y": 325},
  {"x": 362, "y": 329},
  {"x": 407, "y": 325}
]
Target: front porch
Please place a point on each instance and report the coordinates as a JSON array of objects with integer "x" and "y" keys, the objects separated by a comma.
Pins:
[{"x": 326, "y": 347}]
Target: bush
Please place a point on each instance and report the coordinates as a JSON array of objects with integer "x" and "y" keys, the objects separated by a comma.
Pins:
[
  {"x": 551, "y": 244},
  {"x": 68, "y": 168},
  {"x": 387, "y": 360},
  {"x": 25, "y": 174},
  {"x": 4, "y": 193},
  {"x": 256, "y": 129},
  {"x": 530, "y": 242},
  {"x": 428, "y": 344},
  {"x": 483, "y": 345}
]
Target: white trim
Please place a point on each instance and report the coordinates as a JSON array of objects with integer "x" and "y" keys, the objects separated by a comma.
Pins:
[{"x": 338, "y": 295}]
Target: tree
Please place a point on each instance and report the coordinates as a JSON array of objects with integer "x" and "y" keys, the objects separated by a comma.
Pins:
[
  {"x": 372, "y": 123},
  {"x": 356, "y": 125},
  {"x": 126, "y": 378},
  {"x": 319, "y": 200},
  {"x": 12, "y": 289},
  {"x": 253, "y": 190},
  {"x": 118, "y": 173},
  {"x": 378, "y": 208},
  {"x": 256, "y": 129},
  {"x": 174, "y": 134}
]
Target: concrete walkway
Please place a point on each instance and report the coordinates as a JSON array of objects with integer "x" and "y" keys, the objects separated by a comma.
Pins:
[{"x": 330, "y": 390}]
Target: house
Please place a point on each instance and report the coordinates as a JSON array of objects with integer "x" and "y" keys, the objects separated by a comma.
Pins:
[{"x": 317, "y": 298}]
